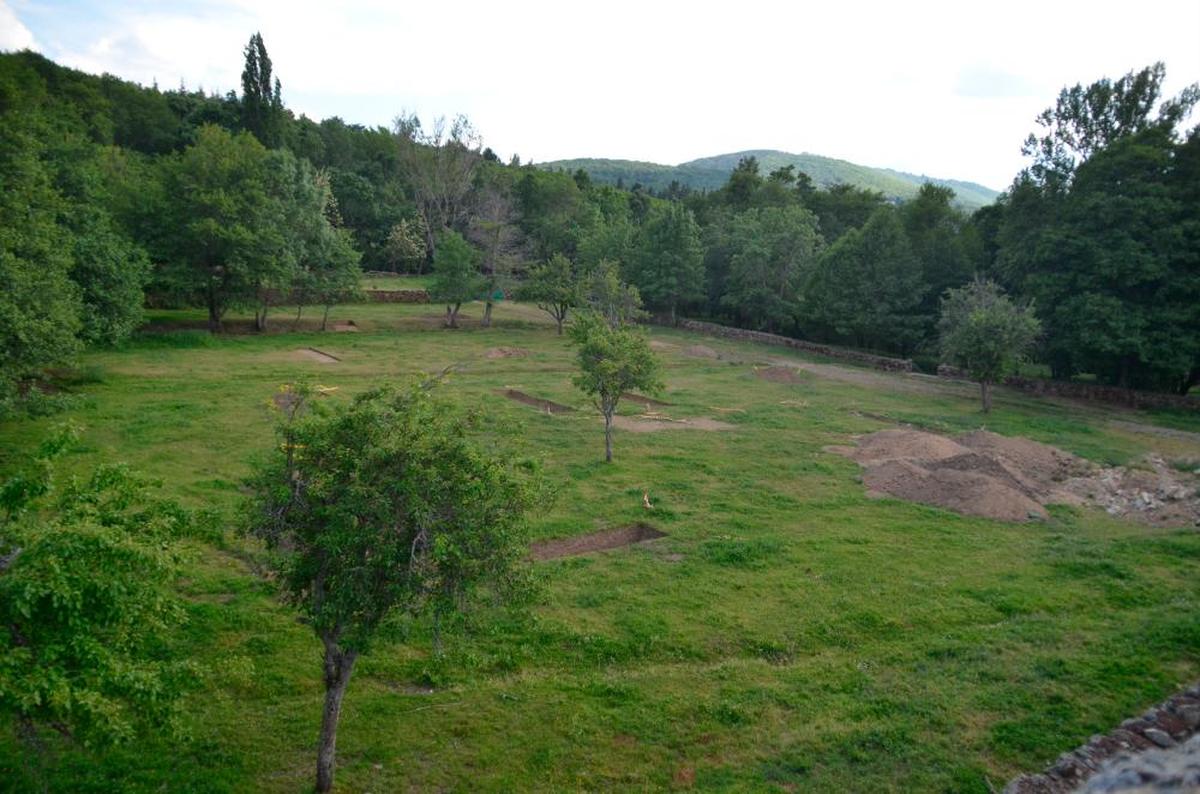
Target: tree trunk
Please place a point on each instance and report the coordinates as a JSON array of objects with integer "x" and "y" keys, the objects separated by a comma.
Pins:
[
  {"x": 558, "y": 318},
  {"x": 260, "y": 317},
  {"x": 674, "y": 322},
  {"x": 214, "y": 313},
  {"x": 452, "y": 315},
  {"x": 325, "y": 317},
  {"x": 296, "y": 322},
  {"x": 487, "y": 315},
  {"x": 985, "y": 393},
  {"x": 608, "y": 435},
  {"x": 339, "y": 665}
]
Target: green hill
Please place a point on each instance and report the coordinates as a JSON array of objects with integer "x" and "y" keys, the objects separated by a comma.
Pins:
[{"x": 710, "y": 173}]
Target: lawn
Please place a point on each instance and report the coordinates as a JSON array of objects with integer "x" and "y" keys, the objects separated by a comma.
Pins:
[{"x": 789, "y": 634}]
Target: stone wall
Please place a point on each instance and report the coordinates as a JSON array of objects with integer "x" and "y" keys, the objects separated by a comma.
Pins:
[
  {"x": 743, "y": 335},
  {"x": 397, "y": 295},
  {"x": 280, "y": 298},
  {"x": 1094, "y": 392}
]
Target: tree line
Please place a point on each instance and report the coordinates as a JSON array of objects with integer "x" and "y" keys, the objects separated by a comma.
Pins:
[{"x": 112, "y": 190}]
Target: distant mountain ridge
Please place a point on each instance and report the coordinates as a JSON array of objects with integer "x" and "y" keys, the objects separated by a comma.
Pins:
[{"x": 710, "y": 173}]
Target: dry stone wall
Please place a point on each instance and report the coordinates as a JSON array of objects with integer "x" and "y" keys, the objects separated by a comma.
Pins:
[{"x": 1094, "y": 392}]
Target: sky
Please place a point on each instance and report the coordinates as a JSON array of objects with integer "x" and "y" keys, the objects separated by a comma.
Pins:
[{"x": 944, "y": 89}]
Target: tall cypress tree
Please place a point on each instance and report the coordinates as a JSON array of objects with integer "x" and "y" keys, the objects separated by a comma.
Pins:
[{"x": 262, "y": 99}]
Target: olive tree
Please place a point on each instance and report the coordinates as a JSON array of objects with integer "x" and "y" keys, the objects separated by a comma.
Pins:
[
  {"x": 612, "y": 360},
  {"x": 985, "y": 333},
  {"x": 378, "y": 508}
]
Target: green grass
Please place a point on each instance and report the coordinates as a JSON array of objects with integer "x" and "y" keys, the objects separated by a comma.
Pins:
[{"x": 789, "y": 634}]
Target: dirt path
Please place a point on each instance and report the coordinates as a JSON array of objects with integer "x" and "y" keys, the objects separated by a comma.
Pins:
[{"x": 594, "y": 541}]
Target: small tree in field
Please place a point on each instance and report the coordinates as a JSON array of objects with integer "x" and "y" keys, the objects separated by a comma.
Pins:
[
  {"x": 455, "y": 277},
  {"x": 554, "y": 287},
  {"x": 378, "y": 508},
  {"x": 985, "y": 333},
  {"x": 85, "y": 604},
  {"x": 612, "y": 360}
]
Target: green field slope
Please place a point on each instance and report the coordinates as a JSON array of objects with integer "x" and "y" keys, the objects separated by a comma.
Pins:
[
  {"x": 789, "y": 633},
  {"x": 709, "y": 173}
]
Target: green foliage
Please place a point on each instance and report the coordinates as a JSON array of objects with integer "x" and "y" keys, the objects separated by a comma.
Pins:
[
  {"x": 39, "y": 304},
  {"x": 983, "y": 332},
  {"x": 555, "y": 287},
  {"x": 667, "y": 264},
  {"x": 456, "y": 278},
  {"x": 380, "y": 509},
  {"x": 617, "y": 302},
  {"x": 771, "y": 252},
  {"x": 866, "y": 288},
  {"x": 1100, "y": 232},
  {"x": 262, "y": 100},
  {"x": 612, "y": 360},
  {"x": 86, "y": 604},
  {"x": 225, "y": 240}
]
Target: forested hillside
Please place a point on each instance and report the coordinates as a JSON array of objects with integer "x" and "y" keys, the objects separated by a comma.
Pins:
[
  {"x": 113, "y": 191},
  {"x": 710, "y": 173}
]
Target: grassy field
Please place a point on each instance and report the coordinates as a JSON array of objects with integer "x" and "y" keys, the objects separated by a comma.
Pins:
[{"x": 790, "y": 634}]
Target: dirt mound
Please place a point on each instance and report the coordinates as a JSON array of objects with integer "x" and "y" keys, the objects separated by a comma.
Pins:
[
  {"x": 701, "y": 351},
  {"x": 1011, "y": 479},
  {"x": 965, "y": 492},
  {"x": 312, "y": 354},
  {"x": 594, "y": 541},
  {"x": 1041, "y": 463},
  {"x": 347, "y": 326},
  {"x": 535, "y": 402},
  {"x": 506, "y": 352},
  {"x": 906, "y": 444},
  {"x": 778, "y": 374},
  {"x": 653, "y": 423}
]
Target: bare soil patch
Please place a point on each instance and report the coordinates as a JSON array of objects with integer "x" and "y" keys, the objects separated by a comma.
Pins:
[
  {"x": 344, "y": 326},
  {"x": 535, "y": 402},
  {"x": 594, "y": 541},
  {"x": 652, "y": 423},
  {"x": 506, "y": 352},
  {"x": 662, "y": 346},
  {"x": 778, "y": 374},
  {"x": 701, "y": 351},
  {"x": 1012, "y": 479},
  {"x": 312, "y": 354},
  {"x": 643, "y": 400}
]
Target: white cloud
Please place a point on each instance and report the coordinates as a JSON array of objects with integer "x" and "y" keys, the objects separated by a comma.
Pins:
[
  {"x": 13, "y": 34},
  {"x": 944, "y": 88}
]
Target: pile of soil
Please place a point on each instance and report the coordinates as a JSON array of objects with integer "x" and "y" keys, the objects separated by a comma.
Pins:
[
  {"x": 701, "y": 351},
  {"x": 535, "y": 402},
  {"x": 1012, "y": 479},
  {"x": 777, "y": 374},
  {"x": 506, "y": 352},
  {"x": 346, "y": 326},
  {"x": 594, "y": 541}
]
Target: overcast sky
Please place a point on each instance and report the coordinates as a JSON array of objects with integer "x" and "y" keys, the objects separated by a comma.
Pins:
[{"x": 944, "y": 89}]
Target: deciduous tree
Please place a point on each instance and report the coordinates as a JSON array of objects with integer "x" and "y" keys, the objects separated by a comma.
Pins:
[
  {"x": 456, "y": 278},
  {"x": 985, "y": 333},
  {"x": 555, "y": 287},
  {"x": 379, "y": 508},
  {"x": 612, "y": 360}
]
